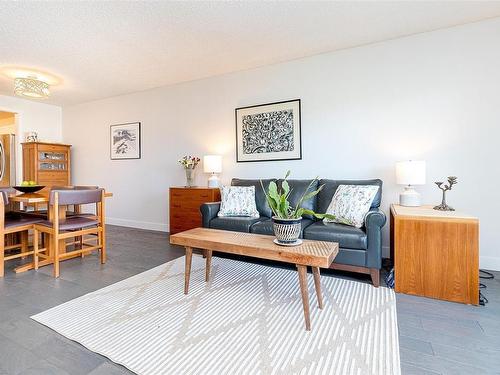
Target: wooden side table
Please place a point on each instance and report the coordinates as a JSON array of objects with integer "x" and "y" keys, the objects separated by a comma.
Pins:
[
  {"x": 185, "y": 205},
  {"x": 436, "y": 253}
]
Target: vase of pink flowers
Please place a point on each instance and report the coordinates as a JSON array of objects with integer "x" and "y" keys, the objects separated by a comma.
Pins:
[{"x": 189, "y": 163}]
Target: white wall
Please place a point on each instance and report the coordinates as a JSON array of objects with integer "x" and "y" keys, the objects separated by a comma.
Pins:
[
  {"x": 432, "y": 96},
  {"x": 45, "y": 119}
]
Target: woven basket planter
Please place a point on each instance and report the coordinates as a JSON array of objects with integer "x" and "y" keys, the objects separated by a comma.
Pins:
[{"x": 287, "y": 231}]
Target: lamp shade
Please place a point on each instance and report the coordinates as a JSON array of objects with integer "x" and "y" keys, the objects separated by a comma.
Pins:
[
  {"x": 212, "y": 164},
  {"x": 410, "y": 172}
]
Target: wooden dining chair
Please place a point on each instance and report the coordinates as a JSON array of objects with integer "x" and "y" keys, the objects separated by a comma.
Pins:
[
  {"x": 13, "y": 223},
  {"x": 61, "y": 227},
  {"x": 42, "y": 213}
]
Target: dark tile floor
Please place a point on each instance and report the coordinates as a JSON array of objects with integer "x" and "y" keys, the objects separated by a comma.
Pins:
[{"x": 435, "y": 337}]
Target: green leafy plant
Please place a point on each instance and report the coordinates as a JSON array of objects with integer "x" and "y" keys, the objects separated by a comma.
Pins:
[{"x": 280, "y": 205}]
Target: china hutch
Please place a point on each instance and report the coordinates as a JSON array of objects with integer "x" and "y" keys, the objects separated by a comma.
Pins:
[{"x": 47, "y": 164}]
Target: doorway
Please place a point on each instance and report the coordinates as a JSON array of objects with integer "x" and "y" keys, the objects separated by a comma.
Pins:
[{"x": 8, "y": 131}]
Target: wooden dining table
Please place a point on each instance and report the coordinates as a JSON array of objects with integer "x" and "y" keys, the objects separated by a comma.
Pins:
[{"x": 41, "y": 198}]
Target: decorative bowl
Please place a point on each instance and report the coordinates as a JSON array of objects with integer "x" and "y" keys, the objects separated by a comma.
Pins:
[{"x": 29, "y": 188}]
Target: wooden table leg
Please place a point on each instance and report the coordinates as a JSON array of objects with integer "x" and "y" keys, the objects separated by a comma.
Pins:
[
  {"x": 187, "y": 272},
  {"x": 24, "y": 243},
  {"x": 302, "y": 270},
  {"x": 209, "y": 264},
  {"x": 2, "y": 250},
  {"x": 317, "y": 286}
]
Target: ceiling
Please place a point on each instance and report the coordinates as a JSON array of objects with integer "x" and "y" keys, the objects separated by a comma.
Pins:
[{"x": 107, "y": 48}]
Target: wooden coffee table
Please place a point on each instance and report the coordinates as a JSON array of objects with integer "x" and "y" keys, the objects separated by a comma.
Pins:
[{"x": 315, "y": 254}]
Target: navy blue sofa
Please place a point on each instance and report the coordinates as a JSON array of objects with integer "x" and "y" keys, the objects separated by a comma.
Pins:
[{"x": 360, "y": 248}]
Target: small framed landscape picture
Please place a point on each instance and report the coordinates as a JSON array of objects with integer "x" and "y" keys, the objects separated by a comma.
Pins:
[
  {"x": 125, "y": 141},
  {"x": 268, "y": 132}
]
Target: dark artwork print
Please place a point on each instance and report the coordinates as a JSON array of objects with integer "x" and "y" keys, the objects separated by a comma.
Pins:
[{"x": 268, "y": 132}]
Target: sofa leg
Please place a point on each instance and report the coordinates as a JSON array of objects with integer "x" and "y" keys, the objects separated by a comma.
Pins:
[{"x": 375, "y": 274}]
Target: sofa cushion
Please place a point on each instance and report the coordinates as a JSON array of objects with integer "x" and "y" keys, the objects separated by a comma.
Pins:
[
  {"x": 12, "y": 221},
  {"x": 352, "y": 257},
  {"x": 346, "y": 236},
  {"x": 238, "y": 224},
  {"x": 297, "y": 189},
  {"x": 72, "y": 223},
  {"x": 266, "y": 227},
  {"x": 260, "y": 197},
  {"x": 330, "y": 186}
]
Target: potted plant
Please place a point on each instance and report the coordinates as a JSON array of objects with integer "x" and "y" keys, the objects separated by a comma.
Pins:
[{"x": 286, "y": 218}]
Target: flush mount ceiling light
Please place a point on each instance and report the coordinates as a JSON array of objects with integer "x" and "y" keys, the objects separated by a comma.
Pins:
[
  {"x": 31, "y": 88},
  {"x": 30, "y": 83}
]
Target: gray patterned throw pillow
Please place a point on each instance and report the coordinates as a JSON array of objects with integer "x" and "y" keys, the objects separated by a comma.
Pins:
[
  {"x": 351, "y": 203},
  {"x": 238, "y": 201}
]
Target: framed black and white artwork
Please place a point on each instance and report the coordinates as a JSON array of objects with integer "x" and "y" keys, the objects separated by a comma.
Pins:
[
  {"x": 125, "y": 141},
  {"x": 268, "y": 132}
]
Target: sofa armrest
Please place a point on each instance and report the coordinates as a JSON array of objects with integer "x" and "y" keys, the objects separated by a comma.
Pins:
[
  {"x": 209, "y": 211},
  {"x": 375, "y": 218},
  {"x": 374, "y": 222}
]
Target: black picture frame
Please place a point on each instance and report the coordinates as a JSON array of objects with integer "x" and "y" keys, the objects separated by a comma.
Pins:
[
  {"x": 259, "y": 157},
  {"x": 135, "y": 155}
]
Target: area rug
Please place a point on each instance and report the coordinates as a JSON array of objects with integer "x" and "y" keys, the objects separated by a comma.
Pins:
[{"x": 247, "y": 320}]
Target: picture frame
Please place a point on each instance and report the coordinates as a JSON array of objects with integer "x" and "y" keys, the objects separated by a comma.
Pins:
[
  {"x": 125, "y": 141},
  {"x": 269, "y": 132}
]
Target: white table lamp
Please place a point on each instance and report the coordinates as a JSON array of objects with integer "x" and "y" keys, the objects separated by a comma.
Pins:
[
  {"x": 410, "y": 173},
  {"x": 212, "y": 164}
]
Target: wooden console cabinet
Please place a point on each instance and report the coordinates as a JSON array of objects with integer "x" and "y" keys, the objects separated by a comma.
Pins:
[
  {"x": 47, "y": 164},
  {"x": 436, "y": 253},
  {"x": 185, "y": 205}
]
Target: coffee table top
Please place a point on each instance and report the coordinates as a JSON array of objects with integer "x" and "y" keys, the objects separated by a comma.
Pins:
[{"x": 309, "y": 253}]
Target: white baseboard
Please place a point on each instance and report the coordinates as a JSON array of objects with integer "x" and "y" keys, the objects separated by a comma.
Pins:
[
  {"x": 137, "y": 224},
  {"x": 489, "y": 263}
]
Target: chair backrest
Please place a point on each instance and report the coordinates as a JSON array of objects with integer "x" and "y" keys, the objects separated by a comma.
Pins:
[
  {"x": 5, "y": 196},
  {"x": 78, "y": 187},
  {"x": 76, "y": 196},
  {"x": 6, "y": 191},
  {"x": 62, "y": 188}
]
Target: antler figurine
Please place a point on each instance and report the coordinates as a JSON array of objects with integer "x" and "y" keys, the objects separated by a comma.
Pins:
[{"x": 452, "y": 180}]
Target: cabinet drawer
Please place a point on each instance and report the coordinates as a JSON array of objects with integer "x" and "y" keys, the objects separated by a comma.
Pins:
[
  {"x": 178, "y": 217},
  {"x": 185, "y": 207},
  {"x": 53, "y": 175},
  {"x": 177, "y": 227},
  {"x": 188, "y": 205},
  {"x": 52, "y": 148},
  {"x": 190, "y": 194},
  {"x": 53, "y": 178}
]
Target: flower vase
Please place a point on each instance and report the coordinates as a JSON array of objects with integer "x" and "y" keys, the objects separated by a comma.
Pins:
[{"x": 189, "y": 177}]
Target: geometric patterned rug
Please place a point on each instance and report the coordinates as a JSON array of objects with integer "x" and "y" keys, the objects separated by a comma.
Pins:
[{"x": 247, "y": 320}]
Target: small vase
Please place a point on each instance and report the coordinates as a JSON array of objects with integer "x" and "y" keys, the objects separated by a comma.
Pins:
[{"x": 189, "y": 177}]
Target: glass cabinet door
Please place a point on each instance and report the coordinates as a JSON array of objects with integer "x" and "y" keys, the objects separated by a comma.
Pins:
[
  {"x": 44, "y": 155},
  {"x": 52, "y": 166},
  {"x": 51, "y": 161}
]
